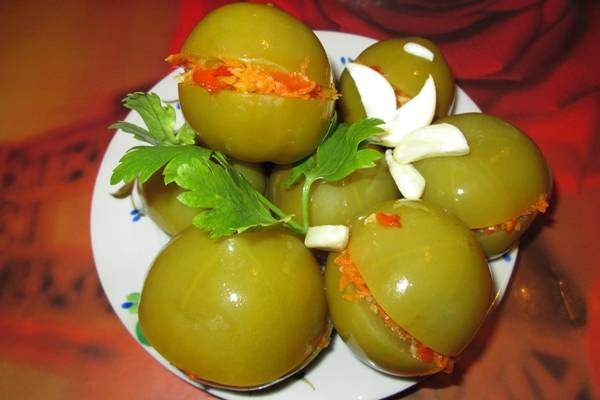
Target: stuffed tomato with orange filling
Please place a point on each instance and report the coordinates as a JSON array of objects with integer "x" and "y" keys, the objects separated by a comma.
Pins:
[
  {"x": 498, "y": 188},
  {"x": 257, "y": 84},
  {"x": 411, "y": 289}
]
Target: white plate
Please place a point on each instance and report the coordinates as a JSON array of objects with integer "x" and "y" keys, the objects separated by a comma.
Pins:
[{"x": 124, "y": 246}]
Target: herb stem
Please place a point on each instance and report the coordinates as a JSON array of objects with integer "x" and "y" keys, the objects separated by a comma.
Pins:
[
  {"x": 308, "y": 181},
  {"x": 290, "y": 223}
]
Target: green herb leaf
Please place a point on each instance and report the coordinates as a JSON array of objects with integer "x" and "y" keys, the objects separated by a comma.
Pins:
[
  {"x": 186, "y": 134},
  {"x": 159, "y": 119},
  {"x": 337, "y": 157},
  {"x": 144, "y": 161},
  {"x": 340, "y": 154},
  {"x": 232, "y": 204}
]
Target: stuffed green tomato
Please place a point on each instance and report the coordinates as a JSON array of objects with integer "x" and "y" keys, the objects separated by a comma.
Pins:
[
  {"x": 498, "y": 188},
  {"x": 411, "y": 289},
  {"x": 257, "y": 84}
]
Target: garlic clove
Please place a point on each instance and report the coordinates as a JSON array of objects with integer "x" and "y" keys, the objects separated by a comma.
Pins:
[
  {"x": 416, "y": 113},
  {"x": 418, "y": 50},
  {"x": 431, "y": 141},
  {"x": 409, "y": 181},
  {"x": 327, "y": 237},
  {"x": 376, "y": 93}
]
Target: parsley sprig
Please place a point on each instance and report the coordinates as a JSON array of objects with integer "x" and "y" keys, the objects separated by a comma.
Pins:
[
  {"x": 233, "y": 205},
  {"x": 230, "y": 204},
  {"x": 159, "y": 119},
  {"x": 337, "y": 156}
]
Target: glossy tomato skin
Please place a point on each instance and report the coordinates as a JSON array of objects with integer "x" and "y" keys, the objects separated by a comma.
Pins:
[
  {"x": 163, "y": 208},
  {"x": 255, "y": 127},
  {"x": 217, "y": 309},
  {"x": 499, "y": 180},
  {"x": 366, "y": 334},
  {"x": 334, "y": 203},
  {"x": 171, "y": 215},
  {"x": 406, "y": 72},
  {"x": 429, "y": 275}
]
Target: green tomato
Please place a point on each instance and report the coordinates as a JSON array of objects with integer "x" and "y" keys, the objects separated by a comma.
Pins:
[
  {"x": 406, "y": 72},
  {"x": 502, "y": 177},
  {"x": 255, "y": 127},
  {"x": 171, "y": 215},
  {"x": 429, "y": 275},
  {"x": 220, "y": 310},
  {"x": 334, "y": 203}
]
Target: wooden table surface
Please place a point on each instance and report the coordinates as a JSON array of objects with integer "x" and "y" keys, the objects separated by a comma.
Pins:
[{"x": 66, "y": 66}]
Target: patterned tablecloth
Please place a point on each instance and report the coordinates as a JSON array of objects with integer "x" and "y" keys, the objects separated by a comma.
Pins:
[{"x": 64, "y": 70}]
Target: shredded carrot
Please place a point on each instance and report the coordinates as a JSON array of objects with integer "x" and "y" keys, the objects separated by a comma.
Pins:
[
  {"x": 516, "y": 224},
  {"x": 389, "y": 219},
  {"x": 541, "y": 204},
  {"x": 226, "y": 74},
  {"x": 351, "y": 276}
]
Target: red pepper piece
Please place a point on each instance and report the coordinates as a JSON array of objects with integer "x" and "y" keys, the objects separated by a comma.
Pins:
[
  {"x": 425, "y": 354},
  {"x": 388, "y": 219}
]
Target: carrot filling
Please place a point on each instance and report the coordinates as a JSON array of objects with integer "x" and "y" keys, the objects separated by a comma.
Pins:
[
  {"x": 352, "y": 277},
  {"x": 216, "y": 75},
  {"x": 516, "y": 224}
]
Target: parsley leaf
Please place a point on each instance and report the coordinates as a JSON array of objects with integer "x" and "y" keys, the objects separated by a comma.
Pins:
[
  {"x": 144, "y": 161},
  {"x": 340, "y": 155},
  {"x": 337, "y": 157},
  {"x": 159, "y": 119},
  {"x": 232, "y": 204}
]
